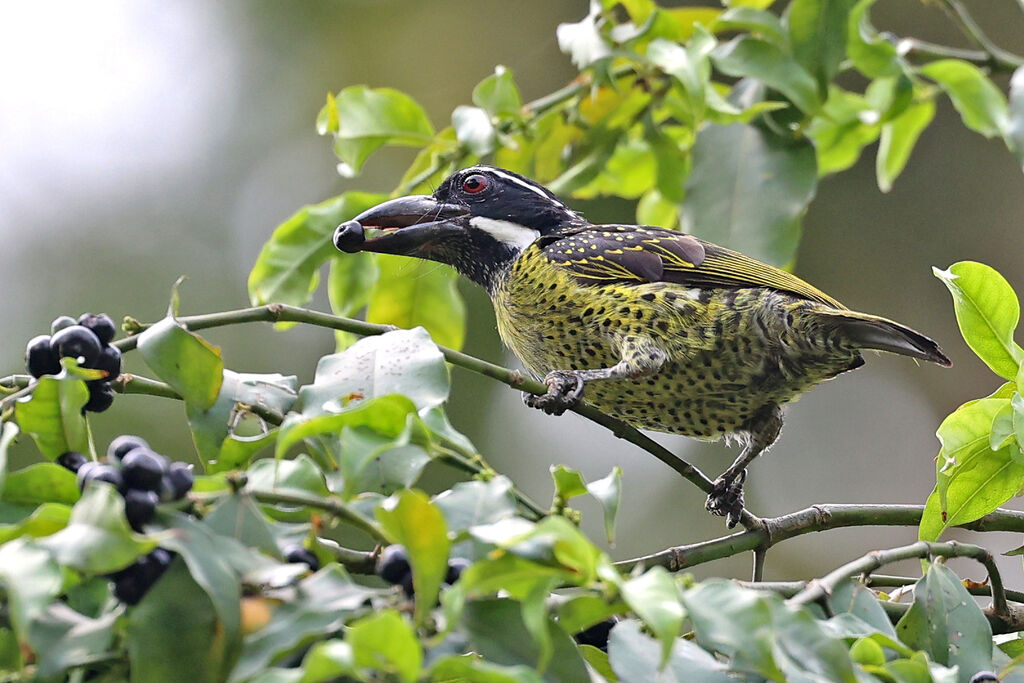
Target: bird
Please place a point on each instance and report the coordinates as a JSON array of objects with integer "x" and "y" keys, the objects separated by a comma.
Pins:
[{"x": 655, "y": 327}]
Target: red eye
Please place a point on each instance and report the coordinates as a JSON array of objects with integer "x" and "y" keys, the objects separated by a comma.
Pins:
[{"x": 475, "y": 183}]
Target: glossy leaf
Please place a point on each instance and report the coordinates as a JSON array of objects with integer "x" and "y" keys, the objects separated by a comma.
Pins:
[
  {"x": 818, "y": 30},
  {"x": 52, "y": 415},
  {"x": 97, "y": 538},
  {"x": 735, "y": 622},
  {"x": 287, "y": 268},
  {"x": 608, "y": 492},
  {"x": 328, "y": 660},
  {"x": 981, "y": 104},
  {"x": 362, "y": 119},
  {"x": 186, "y": 361},
  {"x": 301, "y": 475},
  {"x": 385, "y": 642},
  {"x": 746, "y": 57},
  {"x": 43, "y": 482},
  {"x": 1015, "y": 125},
  {"x": 1018, "y": 418},
  {"x": 947, "y": 623},
  {"x": 349, "y": 284},
  {"x": 655, "y": 209},
  {"x": 368, "y": 461},
  {"x": 472, "y": 669},
  {"x": 474, "y": 130},
  {"x": 854, "y": 598},
  {"x": 409, "y": 518},
  {"x": 758, "y": 22},
  {"x": 63, "y": 638},
  {"x": 471, "y": 503},
  {"x": 44, "y": 520},
  {"x": 412, "y": 293},
  {"x": 654, "y": 598},
  {"x": 30, "y": 578},
  {"x": 898, "y": 139},
  {"x": 987, "y": 311},
  {"x": 498, "y": 93},
  {"x": 635, "y": 656},
  {"x": 871, "y": 53},
  {"x": 8, "y": 432},
  {"x": 748, "y": 190}
]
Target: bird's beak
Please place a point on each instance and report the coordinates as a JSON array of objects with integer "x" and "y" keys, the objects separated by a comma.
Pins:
[{"x": 407, "y": 226}]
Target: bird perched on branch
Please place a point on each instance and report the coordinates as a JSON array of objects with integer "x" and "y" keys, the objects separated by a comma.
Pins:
[{"x": 655, "y": 327}]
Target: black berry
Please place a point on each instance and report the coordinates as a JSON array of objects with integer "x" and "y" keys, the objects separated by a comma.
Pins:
[
  {"x": 143, "y": 469},
  {"x": 139, "y": 507},
  {"x": 110, "y": 362},
  {"x": 128, "y": 588},
  {"x": 132, "y": 582},
  {"x": 178, "y": 480},
  {"x": 99, "y": 323},
  {"x": 596, "y": 635},
  {"x": 123, "y": 444},
  {"x": 40, "y": 358},
  {"x": 72, "y": 460},
  {"x": 296, "y": 553},
  {"x": 94, "y": 471},
  {"x": 407, "y": 586},
  {"x": 393, "y": 564},
  {"x": 456, "y": 566},
  {"x": 101, "y": 396},
  {"x": 60, "y": 322},
  {"x": 77, "y": 342}
]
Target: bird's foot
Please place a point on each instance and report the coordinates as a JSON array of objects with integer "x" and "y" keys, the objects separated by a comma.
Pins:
[
  {"x": 565, "y": 388},
  {"x": 726, "y": 499}
]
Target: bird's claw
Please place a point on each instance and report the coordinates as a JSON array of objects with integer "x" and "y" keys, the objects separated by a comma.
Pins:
[
  {"x": 565, "y": 389},
  {"x": 726, "y": 499}
]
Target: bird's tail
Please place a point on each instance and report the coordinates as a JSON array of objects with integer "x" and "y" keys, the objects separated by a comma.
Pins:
[{"x": 871, "y": 332}]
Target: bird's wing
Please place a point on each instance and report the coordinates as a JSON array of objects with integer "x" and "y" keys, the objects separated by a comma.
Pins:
[{"x": 600, "y": 254}]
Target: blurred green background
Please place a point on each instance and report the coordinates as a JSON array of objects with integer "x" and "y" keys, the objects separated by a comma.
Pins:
[{"x": 141, "y": 141}]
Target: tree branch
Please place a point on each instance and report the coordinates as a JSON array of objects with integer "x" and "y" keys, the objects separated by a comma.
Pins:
[
  {"x": 819, "y": 589},
  {"x": 330, "y": 505},
  {"x": 774, "y": 530},
  {"x": 915, "y": 47},
  {"x": 998, "y": 58}
]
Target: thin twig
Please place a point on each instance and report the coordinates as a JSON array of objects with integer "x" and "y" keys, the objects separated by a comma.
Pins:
[
  {"x": 998, "y": 57},
  {"x": 330, "y": 505},
  {"x": 819, "y": 589},
  {"x": 974, "y": 588},
  {"x": 915, "y": 47},
  {"x": 774, "y": 530}
]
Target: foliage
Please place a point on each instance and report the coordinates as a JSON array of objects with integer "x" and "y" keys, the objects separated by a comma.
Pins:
[{"x": 720, "y": 121}]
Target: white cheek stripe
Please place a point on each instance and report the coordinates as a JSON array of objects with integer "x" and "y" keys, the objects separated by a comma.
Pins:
[{"x": 506, "y": 232}]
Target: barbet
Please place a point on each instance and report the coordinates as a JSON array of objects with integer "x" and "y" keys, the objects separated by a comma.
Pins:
[{"x": 664, "y": 330}]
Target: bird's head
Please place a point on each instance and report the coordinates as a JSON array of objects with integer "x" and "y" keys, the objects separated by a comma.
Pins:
[{"x": 479, "y": 220}]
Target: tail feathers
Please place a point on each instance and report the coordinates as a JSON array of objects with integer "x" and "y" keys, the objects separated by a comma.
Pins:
[{"x": 871, "y": 332}]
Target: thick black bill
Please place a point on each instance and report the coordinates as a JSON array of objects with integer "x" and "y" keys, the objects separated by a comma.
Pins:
[{"x": 405, "y": 225}]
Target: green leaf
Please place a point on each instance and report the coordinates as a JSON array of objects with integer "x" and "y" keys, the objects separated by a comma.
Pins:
[
  {"x": 369, "y": 118},
  {"x": 349, "y": 285},
  {"x": 947, "y": 623},
  {"x": 7, "y": 435},
  {"x": 1018, "y": 418},
  {"x": 328, "y": 660},
  {"x": 568, "y": 483},
  {"x": 192, "y": 366},
  {"x": 635, "y": 656},
  {"x": 744, "y": 57},
  {"x": 898, "y": 139},
  {"x": 497, "y": 632},
  {"x": 388, "y": 415},
  {"x": 474, "y": 130},
  {"x": 1002, "y": 434},
  {"x": 471, "y": 503},
  {"x": 319, "y": 605},
  {"x": 817, "y": 30},
  {"x": 759, "y": 23},
  {"x": 174, "y": 633},
  {"x": 855, "y": 598},
  {"x": 368, "y": 461},
  {"x": 871, "y": 53},
  {"x": 287, "y": 268},
  {"x": 498, "y": 94},
  {"x": 756, "y": 4},
  {"x": 654, "y": 209},
  {"x": 413, "y": 292},
  {"x": 583, "y": 611},
  {"x": 987, "y": 312},
  {"x": 63, "y": 638},
  {"x": 43, "y": 482},
  {"x": 608, "y": 492},
  {"x": 655, "y": 599},
  {"x": 385, "y": 642},
  {"x": 301, "y": 475},
  {"x": 238, "y": 517},
  {"x": 472, "y": 669},
  {"x": 847, "y": 123},
  {"x": 1015, "y": 126},
  {"x": 97, "y": 538},
  {"x": 748, "y": 190},
  {"x": 53, "y": 416},
  {"x": 43, "y": 520},
  {"x": 409, "y": 518},
  {"x": 981, "y": 104},
  {"x": 30, "y": 578}
]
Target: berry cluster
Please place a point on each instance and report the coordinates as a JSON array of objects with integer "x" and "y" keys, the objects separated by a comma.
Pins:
[
  {"x": 144, "y": 478},
  {"x": 87, "y": 340},
  {"x": 393, "y": 566}
]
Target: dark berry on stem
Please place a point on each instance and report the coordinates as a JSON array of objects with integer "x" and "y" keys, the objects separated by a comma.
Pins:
[
  {"x": 143, "y": 469},
  {"x": 99, "y": 323},
  {"x": 123, "y": 444},
  {"x": 77, "y": 342},
  {"x": 40, "y": 358},
  {"x": 456, "y": 566},
  {"x": 101, "y": 396},
  {"x": 179, "y": 476},
  {"x": 129, "y": 588},
  {"x": 294, "y": 554},
  {"x": 110, "y": 362},
  {"x": 393, "y": 564},
  {"x": 596, "y": 635},
  {"x": 139, "y": 507},
  {"x": 60, "y": 322},
  {"x": 407, "y": 586},
  {"x": 72, "y": 460},
  {"x": 94, "y": 471}
]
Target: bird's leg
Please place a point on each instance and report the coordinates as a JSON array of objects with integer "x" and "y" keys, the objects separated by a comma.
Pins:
[
  {"x": 640, "y": 356},
  {"x": 726, "y": 497}
]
